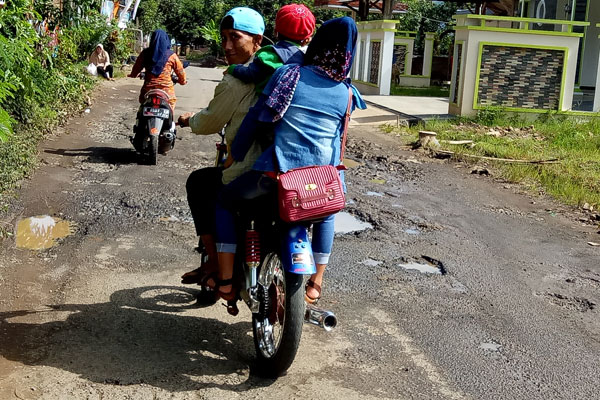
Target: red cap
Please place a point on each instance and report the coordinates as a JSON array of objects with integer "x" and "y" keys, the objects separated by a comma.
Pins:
[{"x": 295, "y": 21}]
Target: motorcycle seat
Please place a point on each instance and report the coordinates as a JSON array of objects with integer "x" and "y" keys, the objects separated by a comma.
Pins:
[{"x": 159, "y": 93}]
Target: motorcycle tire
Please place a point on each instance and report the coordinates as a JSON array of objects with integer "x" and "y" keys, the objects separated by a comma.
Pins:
[
  {"x": 277, "y": 330},
  {"x": 153, "y": 150}
]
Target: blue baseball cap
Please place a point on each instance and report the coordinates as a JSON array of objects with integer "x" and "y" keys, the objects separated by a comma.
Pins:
[{"x": 247, "y": 20}]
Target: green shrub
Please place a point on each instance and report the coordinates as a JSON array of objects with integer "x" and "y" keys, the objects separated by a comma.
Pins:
[
  {"x": 42, "y": 84},
  {"x": 212, "y": 34}
]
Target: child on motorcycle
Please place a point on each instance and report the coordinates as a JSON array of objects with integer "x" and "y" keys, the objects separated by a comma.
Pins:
[
  {"x": 160, "y": 63},
  {"x": 294, "y": 25}
]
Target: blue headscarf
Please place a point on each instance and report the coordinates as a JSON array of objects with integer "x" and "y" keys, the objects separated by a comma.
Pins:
[
  {"x": 158, "y": 53},
  {"x": 330, "y": 52},
  {"x": 332, "y": 48}
]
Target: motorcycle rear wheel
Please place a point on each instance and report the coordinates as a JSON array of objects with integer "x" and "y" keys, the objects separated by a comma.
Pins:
[
  {"x": 278, "y": 327},
  {"x": 153, "y": 150}
]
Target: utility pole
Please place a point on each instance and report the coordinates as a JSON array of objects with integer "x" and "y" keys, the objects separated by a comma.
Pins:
[
  {"x": 388, "y": 8},
  {"x": 135, "y": 8},
  {"x": 363, "y": 10},
  {"x": 385, "y": 6}
]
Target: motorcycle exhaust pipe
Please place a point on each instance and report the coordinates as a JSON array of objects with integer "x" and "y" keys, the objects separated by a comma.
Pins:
[{"x": 323, "y": 318}]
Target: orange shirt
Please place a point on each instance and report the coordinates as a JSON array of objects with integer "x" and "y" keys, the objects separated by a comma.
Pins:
[{"x": 162, "y": 81}]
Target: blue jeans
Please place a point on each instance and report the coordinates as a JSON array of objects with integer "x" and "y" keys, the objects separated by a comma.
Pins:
[{"x": 250, "y": 186}]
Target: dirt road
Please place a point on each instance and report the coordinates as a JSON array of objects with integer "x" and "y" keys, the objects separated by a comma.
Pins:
[{"x": 509, "y": 312}]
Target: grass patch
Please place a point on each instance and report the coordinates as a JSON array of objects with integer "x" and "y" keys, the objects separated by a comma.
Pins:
[
  {"x": 575, "y": 142},
  {"x": 432, "y": 91},
  {"x": 17, "y": 159}
]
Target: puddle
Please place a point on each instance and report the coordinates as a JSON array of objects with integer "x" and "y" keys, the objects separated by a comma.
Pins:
[
  {"x": 430, "y": 266},
  {"x": 412, "y": 231},
  {"x": 370, "y": 262},
  {"x": 423, "y": 268},
  {"x": 346, "y": 223},
  {"x": 351, "y": 163},
  {"x": 42, "y": 232},
  {"x": 490, "y": 346},
  {"x": 374, "y": 194},
  {"x": 171, "y": 218}
]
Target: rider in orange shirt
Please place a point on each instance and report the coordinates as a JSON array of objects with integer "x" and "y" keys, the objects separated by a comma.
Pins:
[{"x": 160, "y": 62}]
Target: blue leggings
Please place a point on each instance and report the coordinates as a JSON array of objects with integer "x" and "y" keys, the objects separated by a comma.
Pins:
[{"x": 252, "y": 185}]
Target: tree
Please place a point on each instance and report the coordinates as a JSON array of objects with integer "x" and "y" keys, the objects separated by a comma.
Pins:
[
  {"x": 149, "y": 17},
  {"x": 184, "y": 19},
  {"x": 425, "y": 16}
]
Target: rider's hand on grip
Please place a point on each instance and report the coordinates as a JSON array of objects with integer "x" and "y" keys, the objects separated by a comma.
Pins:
[{"x": 184, "y": 119}]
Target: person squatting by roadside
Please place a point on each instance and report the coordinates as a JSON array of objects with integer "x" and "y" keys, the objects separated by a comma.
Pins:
[
  {"x": 305, "y": 105},
  {"x": 101, "y": 60}
]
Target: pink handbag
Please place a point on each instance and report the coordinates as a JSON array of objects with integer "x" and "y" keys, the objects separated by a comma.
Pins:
[{"x": 316, "y": 191}]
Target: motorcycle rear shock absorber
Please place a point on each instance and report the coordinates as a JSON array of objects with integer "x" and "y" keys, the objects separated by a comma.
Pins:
[
  {"x": 252, "y": 247},
  {"x": 252, "y": 259}
]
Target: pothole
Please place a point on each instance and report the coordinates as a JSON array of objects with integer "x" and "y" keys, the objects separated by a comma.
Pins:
[
  {"x": 425, "y": 265},
  {"x": 490, "y": 346},
  {"x": 570, "y": 302},
  {"x": 370, "y": 262},
  {"x": 42, "y": 232},
  {"x": 346, "y": 223}
]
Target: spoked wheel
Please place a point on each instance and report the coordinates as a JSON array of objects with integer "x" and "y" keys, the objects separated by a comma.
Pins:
[
  {"x": 277, "y": 326},
  {"x": 153, "y": 149}
]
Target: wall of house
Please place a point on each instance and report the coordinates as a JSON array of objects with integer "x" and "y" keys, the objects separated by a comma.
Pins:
[
  {"x": 523, "y": 85},
  {"x": 518, "y": 70},
  {"x": 372, "y": 69},
  {"x": 591, "y": 47}
]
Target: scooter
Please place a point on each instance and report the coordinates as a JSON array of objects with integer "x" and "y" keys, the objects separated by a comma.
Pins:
[{"x": 154, "y": 130}]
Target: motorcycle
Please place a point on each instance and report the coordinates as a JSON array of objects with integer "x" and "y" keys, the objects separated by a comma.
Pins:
[
  {"x": 269, "y": 272},
  {"x": 154, "y": 130}
]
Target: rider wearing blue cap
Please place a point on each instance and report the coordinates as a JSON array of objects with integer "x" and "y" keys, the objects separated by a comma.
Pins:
[
  {"x": 245, "y": 19},
  {"x": 241, "y": 35}
]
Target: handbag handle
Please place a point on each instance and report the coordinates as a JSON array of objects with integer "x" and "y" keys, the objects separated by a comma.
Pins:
[{"x": 346, "y": 122}]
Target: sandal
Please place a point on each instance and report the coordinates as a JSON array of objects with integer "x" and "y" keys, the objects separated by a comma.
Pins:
[
  {"x": 192, "y": 276},
  {"x": 307, "y": 298},
  {"x": 227, "y": 296},
  {"x": 200, "y": 275}
]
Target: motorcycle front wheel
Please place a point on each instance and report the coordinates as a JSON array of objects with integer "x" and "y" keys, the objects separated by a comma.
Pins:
[{"x": 277, "y": 327}]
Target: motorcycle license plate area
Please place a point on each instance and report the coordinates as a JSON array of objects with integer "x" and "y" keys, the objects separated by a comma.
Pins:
[{"x": 156, "y": 112}]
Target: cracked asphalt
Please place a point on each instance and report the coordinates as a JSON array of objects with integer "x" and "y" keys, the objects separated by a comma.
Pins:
[{"x": 513, "y": 313}]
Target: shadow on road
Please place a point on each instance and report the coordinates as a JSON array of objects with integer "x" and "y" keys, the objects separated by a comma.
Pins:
[
  {"x": 139, "y": 336},
  {"x": 108, "y": 155}
]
